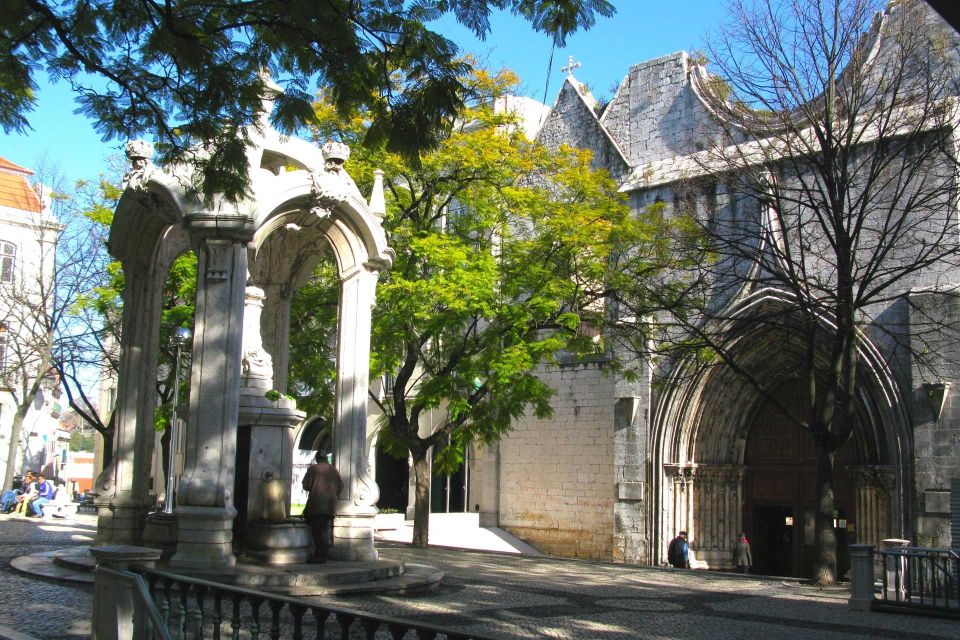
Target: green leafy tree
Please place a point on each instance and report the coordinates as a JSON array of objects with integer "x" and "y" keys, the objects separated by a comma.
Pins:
[
  {"x": 191, "y": 73},
  {"x": 81, "y": 440},
  {"x": 102, "y": 305},
  {"x": 501, "y": 250}
]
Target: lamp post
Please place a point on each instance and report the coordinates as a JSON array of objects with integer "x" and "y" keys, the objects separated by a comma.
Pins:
[{"x": 180, "y": 337}]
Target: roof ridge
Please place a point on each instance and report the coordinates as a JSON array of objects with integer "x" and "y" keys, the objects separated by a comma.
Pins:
[{"x": 13, "y": 168}]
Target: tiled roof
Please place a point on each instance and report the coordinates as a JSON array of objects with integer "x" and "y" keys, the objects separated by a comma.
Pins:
[{"x": 15, "y": 189}]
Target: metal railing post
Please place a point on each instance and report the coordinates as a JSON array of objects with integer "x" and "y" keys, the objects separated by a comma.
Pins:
[
  {"x": 897, "y": 570},
  {"x": 861, "y": 577}
]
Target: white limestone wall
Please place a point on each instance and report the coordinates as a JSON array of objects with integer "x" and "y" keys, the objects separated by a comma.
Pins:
[{"x": 557, "y": 474}]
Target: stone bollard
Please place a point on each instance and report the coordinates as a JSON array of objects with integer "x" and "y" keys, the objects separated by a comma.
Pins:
[
  {"x": 861, "y": 577},
  {"x": 896, "y": 569},
  {"x": 114, "y": 601}
]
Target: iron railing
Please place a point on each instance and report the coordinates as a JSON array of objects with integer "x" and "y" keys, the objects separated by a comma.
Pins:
[
  {"x": 921, "y": 577},
  {"x": 192, "y": 608}
]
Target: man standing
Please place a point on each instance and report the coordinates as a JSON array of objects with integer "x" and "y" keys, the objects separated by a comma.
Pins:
[
  {"x": 678, "y": 553},
  {"x": 741, "y": 554},
  {"x": 323, "y": 484}
]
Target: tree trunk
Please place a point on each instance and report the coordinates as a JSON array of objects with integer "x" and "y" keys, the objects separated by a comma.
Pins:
[
  {"x": 12, "y": 459},
  {"x": 825, "y": 558},
  {"x": 421, "y": 503}
]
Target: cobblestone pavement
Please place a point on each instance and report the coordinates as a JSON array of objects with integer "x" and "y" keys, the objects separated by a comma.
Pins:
[
  {"x": 38, "y": 606},
  {"x": 515, "y": 597}
]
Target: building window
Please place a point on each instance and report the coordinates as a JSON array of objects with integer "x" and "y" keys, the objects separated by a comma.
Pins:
[{"x": 8, "y": 257}]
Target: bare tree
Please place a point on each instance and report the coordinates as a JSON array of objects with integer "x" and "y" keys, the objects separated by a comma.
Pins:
[
  {"x": 52, "y": 342},
  {"x": 834, "y": 141}
]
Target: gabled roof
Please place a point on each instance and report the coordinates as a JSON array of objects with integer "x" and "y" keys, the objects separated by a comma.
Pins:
[{"x": 15, "y": 189}]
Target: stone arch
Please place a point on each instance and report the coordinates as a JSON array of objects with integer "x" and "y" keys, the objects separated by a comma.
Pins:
[
  {"x": 146, "y": 236},
  {"x": 297, "y": 190},
  {"x": 700, "y": 428}
]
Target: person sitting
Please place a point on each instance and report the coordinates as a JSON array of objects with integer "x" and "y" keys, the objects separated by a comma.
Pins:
[
  {"x": 9, "y": 498},
  {"x": 25, "y": 498},
  {"x": 45, "y": 493}
]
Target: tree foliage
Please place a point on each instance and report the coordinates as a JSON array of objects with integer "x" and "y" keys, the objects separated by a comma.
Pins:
[
  {"x": 191, "y": 73},
  {"x": 501, "y": 248}
]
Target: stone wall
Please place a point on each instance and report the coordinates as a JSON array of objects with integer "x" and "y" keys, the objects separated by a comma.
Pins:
[
  {"x": 573, "y": 121},
  {"x": 655, "y": 113},
  {"x": 936, "y": 412},
  {"x": 557, "y": 475}
]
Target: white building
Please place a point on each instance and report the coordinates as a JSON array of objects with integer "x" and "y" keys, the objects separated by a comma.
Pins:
[{"x": 28, "y": 240}]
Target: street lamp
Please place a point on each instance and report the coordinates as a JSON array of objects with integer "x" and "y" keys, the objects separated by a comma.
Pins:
[{"x": 180, "y": 338}]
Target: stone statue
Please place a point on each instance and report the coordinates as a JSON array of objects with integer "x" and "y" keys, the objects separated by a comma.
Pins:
[
  {"x": 256, "y": 363},
  {"x": 140, "y": 155},
  {"x": 332, "y": 185}
]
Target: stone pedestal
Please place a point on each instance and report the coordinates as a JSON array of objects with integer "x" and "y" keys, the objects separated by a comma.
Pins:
[
  {"x": 204, "y": 537},
  {"x": 160, "y": 532},
  {"x": 119, "y": 523},
  {"x": 861, "y": 577},
  {"x": 271, "y": 424},
  {"x": 353, "y": 536},
  {"x": 279, "y": 543}
]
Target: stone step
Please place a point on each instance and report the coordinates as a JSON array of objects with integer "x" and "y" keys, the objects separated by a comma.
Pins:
[
  {"x": 416, "y": 578},
  {"x": 332, "y": 573},
  {"x": 299, "y": 580}
]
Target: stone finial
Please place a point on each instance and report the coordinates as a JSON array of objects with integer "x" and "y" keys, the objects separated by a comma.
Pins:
[
  {"x": 269, "y": 97},
  {"x": 571, "y": 65},
  {"x": 378, "y": 203},
  {"x": 336, "y": 155},
  {"x": 140, "y": 155},
  {"x": 139, "y": 150}
]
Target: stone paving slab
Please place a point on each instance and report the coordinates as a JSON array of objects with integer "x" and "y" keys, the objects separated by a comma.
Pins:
[{"x": 515, "y": 597}]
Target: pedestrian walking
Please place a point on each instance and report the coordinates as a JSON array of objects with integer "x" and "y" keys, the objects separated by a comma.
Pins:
[{"x": 742, "y": 557}]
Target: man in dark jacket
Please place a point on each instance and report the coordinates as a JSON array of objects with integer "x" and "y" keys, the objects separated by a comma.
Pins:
[
  {"x": 678, "y": 553},
  {"x": 323, "y": 484}
]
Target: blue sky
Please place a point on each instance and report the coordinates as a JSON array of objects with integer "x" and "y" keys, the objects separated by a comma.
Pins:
[{"x": 641, "y": 30}]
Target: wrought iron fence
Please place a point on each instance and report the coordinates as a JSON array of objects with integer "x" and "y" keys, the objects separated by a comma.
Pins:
[
  {"x": 192, "y": 608},
  {"x": 921, "y": 577}
]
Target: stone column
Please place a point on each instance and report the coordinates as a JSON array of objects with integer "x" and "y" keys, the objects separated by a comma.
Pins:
[
  {"x": 353, "y": 526},
  {"x": 718, "y": 513},
  {"x": 275, "y": 329},
  {"x": 122, "y": 487},
  {"x": 205, "y": 509},
  {"x": 872, "y": 503}
]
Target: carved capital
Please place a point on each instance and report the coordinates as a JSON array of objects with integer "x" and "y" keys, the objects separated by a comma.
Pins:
[{"x": 218, "y": 253}]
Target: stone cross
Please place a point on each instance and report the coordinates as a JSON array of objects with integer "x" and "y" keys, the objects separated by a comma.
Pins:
[{"x": 571, "y": 65}]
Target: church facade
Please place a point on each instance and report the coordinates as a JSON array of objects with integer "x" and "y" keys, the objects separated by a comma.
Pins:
[{"x": 623, "y": 465}]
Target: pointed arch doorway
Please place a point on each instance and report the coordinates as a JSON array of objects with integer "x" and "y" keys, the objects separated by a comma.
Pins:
[{"x": 779, "y": 493}]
